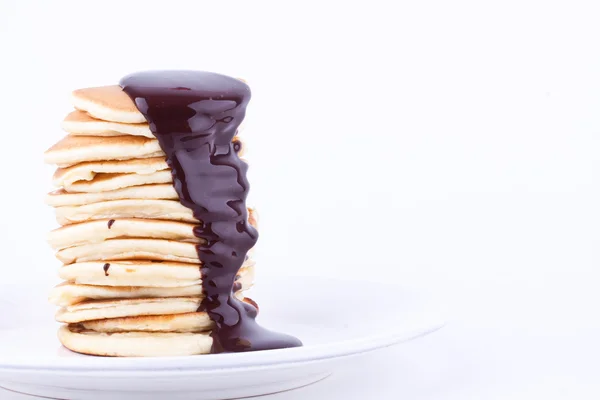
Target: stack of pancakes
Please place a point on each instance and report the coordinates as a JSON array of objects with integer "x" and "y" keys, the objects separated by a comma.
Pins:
[{"x": 132, "y": 276}]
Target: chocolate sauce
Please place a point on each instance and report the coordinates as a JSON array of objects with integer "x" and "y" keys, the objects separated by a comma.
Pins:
[
  {"x": 195, "y": 115},
  {"x": 106, "y": 267},
  {"x": 110, "y": 223}
]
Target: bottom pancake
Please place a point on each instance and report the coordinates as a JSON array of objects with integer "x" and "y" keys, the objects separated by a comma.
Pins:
[{"x": 134, "y": 344}]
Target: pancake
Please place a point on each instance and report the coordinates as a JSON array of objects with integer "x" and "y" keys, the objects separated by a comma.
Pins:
[
  {"x": 77, "y": 149},
  {"x": 136, "y": 273},
  {"x": 126, "y": 208},
  {"x": 108, "y": 182},
  {"x": 61, "y": 198},
  {"x": 68, "y": 293},
  {"x": 82, "y": 124},
  {"x": 131, "y": 249},
  {"x": 189, "y": 322},
  {"x": 95, "y": 231},
  {"x": 79, "y": 123},
  {"x": 198, "y": 321},
  {"x": 117, "y": 308},
  {"x": 100, "y": 230},
  {"x": 86, "y": 171},
  {"x": 109, "y": 103},
  {"x": 134, "y": 344}
]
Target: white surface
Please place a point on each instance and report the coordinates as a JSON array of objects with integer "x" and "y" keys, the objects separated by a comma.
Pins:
[
  {"x": 34, "y": 362},
  {"x": 445, "y": 366},
  {"x": 451, "y": 146}
]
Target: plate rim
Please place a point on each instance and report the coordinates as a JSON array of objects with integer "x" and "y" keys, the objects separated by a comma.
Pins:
[{"x": 436, "y": 319}]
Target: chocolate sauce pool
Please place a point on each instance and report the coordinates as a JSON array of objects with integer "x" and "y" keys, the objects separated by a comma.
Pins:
[{"x": 195, "y": 115}]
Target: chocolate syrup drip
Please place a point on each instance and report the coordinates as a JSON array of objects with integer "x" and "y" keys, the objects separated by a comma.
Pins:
[
  {"x": 106, "y": 267},
  {"x": 195, "y": 115},
  {"x": 110, "y": 223}
]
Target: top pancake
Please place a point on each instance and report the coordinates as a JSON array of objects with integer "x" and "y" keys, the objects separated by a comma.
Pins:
[{"x": 109, "y": 103}]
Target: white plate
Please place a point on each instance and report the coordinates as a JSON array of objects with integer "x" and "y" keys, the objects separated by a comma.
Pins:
[{"x": 334, "y": 318}]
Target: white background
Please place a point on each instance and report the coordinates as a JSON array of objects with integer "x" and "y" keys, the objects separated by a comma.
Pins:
[{"x": 448, "y": 146}]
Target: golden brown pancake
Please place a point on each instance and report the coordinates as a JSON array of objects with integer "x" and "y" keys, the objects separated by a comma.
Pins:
[
  {"x": 135, "y": 273},
  {"x": 131, "y": 249},
  {"x": 127, "y": 208},
  {"x": 108, "y": 182},
  {"x": 69, "y": 293},
  {"x": 134, "y": 344},
  {"x": 82, "y": 124},
  {"x": 60, "y": 198},
  {"x": 95, "y": 231},
  {"x": 87, "y": 171},
  {"x": 77, "y": 149},
  {"x": 91, "y": 310},
  {"x": 109, "y": 103},
  {"x": 188, "y": 322},
  {"x": 100, "y": 230}
]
